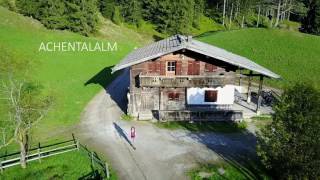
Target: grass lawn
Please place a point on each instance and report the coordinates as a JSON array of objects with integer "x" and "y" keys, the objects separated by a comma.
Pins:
[
  {"x": 71, "y": 165},
  {"x": 219, "y": 127},
  {"x": 212, "y": 172},
  {"x": 261, "y": 121},
  {"x": 293, "y": 55},
  {"x": 205, "y": 24},
  {"x": 127, "y": 117},
  {"x": 72, "y": 77},
  {"x": 222, "y": 170}
]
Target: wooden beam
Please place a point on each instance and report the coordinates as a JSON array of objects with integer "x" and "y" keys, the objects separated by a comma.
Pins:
[
  {"x": 259, "y": 95},
  {"x": 1, "y": 168},
  {"x": 39, "y": 150},
  {"x": 251, "y": 74},
  {"x": 107, "y": 170},
  {"x": 249, "y": 88},
  {"x": 159, "y": 118},
  {"x": 240, "y": 77}
]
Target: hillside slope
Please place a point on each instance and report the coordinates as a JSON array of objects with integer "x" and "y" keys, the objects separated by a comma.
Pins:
[
  {"x": 293, "y": 55},
  {"x": 72, "y": 77}
]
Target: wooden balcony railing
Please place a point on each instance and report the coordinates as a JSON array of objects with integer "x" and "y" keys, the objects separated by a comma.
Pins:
[{"x": 186, "y": 81}]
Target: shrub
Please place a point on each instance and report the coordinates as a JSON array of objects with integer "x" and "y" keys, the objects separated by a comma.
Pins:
[
  {"x": 127, "y": 117},
  {"x": 289, "y": 25},
  {"x": 290, "y": 145},
  {"x": 10, "y": 4},
  {"x": 76, "y": 16},
  {"x": 241, "y": 125},
  {"x": 116, "y": 16}
]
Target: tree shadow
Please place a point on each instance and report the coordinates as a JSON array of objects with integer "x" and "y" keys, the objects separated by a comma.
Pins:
[
  {"x": 93, "y": 175},
  {"x": 115, "y": 84},
  {"x": 207, "y": 33},
  {"x": 237, "y": 149},
  {"x": 102, "y": 78},
  {"x": 157, "y": 38}
]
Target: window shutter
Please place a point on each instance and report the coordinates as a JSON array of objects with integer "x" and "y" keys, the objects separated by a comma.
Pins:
[
  {"x": 170, "y": 95},
  {"x": 179, "y": 68},
  {"x": 162, "y": 67},
  {"x": 157, "y": 66},
  {"x": 173, "y": 96},
  {"x": 209, "y": 67},
  {"x": 196, "y": 70},
  {"x": 176, "y": 96},
  {"x": 214, "y": 67},
  {"x": 151, "y": 67},
  {"x": 190, "y": 68}
]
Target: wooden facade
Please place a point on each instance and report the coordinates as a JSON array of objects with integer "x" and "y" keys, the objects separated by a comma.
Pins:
[
  {"x": 181, "y": 78},
  {"x": 158, "y": 87}
]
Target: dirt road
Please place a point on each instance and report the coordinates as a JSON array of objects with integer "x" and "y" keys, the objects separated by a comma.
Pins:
[{"x": 155, "y": 154}]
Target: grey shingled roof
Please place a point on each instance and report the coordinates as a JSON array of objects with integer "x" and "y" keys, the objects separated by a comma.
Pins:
[{"x": 178, "y": 42}]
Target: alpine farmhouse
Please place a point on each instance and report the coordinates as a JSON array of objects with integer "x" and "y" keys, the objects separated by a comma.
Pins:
[{"x": 180, "y": 78}]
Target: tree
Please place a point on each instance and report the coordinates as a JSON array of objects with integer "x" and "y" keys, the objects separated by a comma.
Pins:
[
  {"x": 26, "y": 108},
  {"x": 107, "y": 8},
  {"x": 224, "y": 12},
  {"x": 24, "y": 103},
  {"x": 74, "y": 15},
  {"x": 182, "y": 14},
  {"x": 311, "y": 23},
  {"x": 198, "y": 12},
  {"x": 290, "y": 145},
  {"x": 10, "y": 4},
  {"x": 278, "y": 13},
  {"x": 149, "y": 9},
  {"x": 131, "y": 11},
  {"x": 174, "y": 17},
  {"x": 116, "y": 16}
]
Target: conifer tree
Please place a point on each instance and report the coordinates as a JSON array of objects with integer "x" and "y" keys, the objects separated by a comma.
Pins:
[
  {"x": 107, "y": 8},
  {"x": 311, "y": 23}
]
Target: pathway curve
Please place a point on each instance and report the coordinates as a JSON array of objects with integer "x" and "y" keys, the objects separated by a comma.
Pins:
[{"x": 158, "y": 153}]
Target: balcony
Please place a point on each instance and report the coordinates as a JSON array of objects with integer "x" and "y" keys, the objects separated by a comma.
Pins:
[{"x": 149, "y": 80}]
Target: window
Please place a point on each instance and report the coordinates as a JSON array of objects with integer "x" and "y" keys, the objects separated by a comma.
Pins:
[
  {"x": 171, "y": 66},
  {"x": 173, "y": 96},
  {"x": 210, "y": 96}
]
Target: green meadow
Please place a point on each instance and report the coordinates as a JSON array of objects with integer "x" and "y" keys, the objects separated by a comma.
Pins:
[
  {"x": 73, "y": 78},
  {"x": 72, "y": 165},
  {"x": 294, "y": 56}
]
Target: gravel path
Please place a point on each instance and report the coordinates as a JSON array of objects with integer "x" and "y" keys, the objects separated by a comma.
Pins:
[{"x": 155, "y": 153}]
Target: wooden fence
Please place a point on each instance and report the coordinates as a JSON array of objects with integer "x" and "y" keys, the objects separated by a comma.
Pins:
[
  {"x": 96, "y": 162},
  {"x": 39, "y": 152}
]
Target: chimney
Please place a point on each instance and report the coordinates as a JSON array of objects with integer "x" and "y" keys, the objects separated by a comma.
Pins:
[{"x": 189, "y": 38}]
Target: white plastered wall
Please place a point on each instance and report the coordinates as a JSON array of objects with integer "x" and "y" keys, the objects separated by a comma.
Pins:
[{"x": 195, "y": 96}]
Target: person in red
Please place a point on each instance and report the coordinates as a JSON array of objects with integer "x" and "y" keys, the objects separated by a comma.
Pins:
[{"x": 133, "y": 133}]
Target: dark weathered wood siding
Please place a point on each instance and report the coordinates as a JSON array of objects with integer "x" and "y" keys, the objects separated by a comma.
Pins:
[
  {"x": 185, "y": 66},
  {"x": 192, "y": 70}
]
